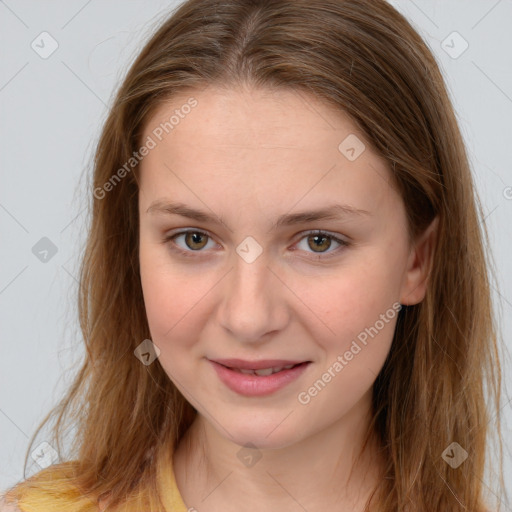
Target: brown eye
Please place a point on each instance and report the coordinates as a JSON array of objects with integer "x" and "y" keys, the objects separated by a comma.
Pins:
[
  {"x": 187, "y": 243},
  {"x": 319, "y": 243},
  {"x": 195, "y": 240}
]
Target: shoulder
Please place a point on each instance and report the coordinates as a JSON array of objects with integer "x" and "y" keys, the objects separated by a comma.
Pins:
[
  {"x": 8, "y": 506},
  {"x": 52, "y": 488}
]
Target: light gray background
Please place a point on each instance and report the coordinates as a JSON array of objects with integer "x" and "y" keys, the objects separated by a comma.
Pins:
[{"x": 51, "y": 113}]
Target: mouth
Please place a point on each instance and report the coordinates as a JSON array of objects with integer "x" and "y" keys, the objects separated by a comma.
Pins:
[
  {"x": 258, "y": 378},
  {"x": 262, "y": 367},
  {"x": 264, "y": 372}
]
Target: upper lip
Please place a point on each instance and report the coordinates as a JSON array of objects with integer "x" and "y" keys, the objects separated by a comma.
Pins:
[{"x": 255, "y": 365}]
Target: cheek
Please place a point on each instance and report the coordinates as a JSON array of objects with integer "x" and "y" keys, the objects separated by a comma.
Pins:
[
  {"x": 175, "y": 300},
  {"x": 356, "y": 313},
  {"x": 355, "y": 335},
  {"x": 167, "y": 297},
  {"x": 352, "y": 299},
  {"x": 169, "y": 320}
]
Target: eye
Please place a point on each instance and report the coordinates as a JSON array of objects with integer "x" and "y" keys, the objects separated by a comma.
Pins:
[
  {"x": 320, "y": 242},
  {"x": 194, "y": 241}
]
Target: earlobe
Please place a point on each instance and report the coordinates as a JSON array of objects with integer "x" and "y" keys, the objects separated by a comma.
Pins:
[{"x": 419, "y": 266}]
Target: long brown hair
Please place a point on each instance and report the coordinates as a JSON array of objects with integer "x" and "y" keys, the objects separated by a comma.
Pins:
[{"x": 359, "y": 56}]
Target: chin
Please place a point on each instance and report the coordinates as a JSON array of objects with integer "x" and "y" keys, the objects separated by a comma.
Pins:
[{"x": 265, "y": 435}]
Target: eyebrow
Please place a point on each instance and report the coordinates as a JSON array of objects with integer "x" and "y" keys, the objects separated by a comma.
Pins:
[{"x": 330, "y": 212}]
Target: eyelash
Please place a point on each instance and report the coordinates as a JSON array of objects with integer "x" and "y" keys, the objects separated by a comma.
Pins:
[{"x": 169, "y": 240}]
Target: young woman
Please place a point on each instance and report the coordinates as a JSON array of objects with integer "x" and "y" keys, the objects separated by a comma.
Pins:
[{"x": 285, "y": 295}]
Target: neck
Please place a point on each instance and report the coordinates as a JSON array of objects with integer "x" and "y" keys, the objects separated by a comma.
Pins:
[{"x": 319, "y": 472}]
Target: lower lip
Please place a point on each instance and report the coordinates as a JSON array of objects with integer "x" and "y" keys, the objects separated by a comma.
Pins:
[{"x": 254, "y": 385}]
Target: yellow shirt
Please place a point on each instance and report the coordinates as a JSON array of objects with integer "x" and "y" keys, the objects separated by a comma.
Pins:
[
  {"x": 170, "y": 493},
  {"x": 42, "y": 499}
]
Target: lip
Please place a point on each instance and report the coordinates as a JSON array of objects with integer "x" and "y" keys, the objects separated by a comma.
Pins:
[
  {"x": 255, "y": 385},
  {"x": 242, "y": 364}
]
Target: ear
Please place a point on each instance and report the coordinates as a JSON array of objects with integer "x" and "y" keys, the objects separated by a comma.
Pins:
[{"x": 419, "y": 266}]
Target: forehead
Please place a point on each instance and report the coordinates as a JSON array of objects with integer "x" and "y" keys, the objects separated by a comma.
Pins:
[
  {"x": 269, "y": 140},
  {"x": 254, "y": 118}
]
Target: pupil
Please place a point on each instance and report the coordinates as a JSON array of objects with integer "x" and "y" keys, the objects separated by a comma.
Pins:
[
  {"x": 318, "y": 238},
  {"x": 196, "y": 239}
]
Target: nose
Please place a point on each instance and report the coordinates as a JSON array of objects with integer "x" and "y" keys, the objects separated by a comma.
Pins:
[{"x": 254, "y": 300}]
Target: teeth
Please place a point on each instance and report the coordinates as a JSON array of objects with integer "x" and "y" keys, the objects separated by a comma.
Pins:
[
  {"x": 247, "y": 372},
  {"x": 264, "y": 372},
  {"x": 267, "y": 371}
]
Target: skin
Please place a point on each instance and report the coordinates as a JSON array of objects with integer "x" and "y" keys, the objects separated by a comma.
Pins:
[{"x": 248, "y": 156}]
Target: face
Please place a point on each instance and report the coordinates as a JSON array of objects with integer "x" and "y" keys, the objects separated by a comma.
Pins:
[{"x": 253, "y": 280}]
